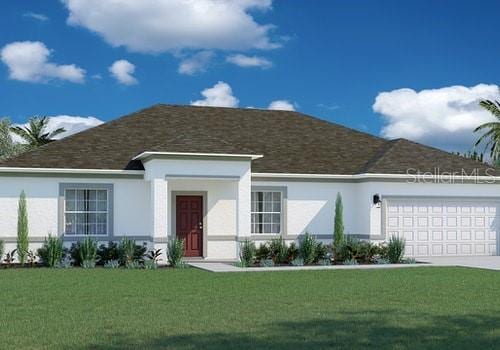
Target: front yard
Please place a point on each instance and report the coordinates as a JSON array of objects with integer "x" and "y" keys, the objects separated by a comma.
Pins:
[{"x": 415, "y": 308}]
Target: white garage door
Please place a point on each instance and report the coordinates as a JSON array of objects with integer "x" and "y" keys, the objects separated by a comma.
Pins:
[{"x": 444, "y": 227}]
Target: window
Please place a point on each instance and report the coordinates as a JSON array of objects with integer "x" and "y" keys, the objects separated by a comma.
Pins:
[
  {"x": 86, "y": 211},
  {"x": 266, "y": 212}
]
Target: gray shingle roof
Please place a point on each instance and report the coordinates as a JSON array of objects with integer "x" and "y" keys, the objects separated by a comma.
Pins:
[{"x": 291, "y": 142}]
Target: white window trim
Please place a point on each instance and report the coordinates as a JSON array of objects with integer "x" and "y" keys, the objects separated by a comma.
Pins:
[
  {"x": 85, "y": 212},
  {"x": 283, "y": 191}
]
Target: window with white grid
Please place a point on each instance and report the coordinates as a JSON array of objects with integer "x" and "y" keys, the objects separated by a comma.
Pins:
[
  {"x": 266, "y": 212},
  {"x": 86, "y": 212}
]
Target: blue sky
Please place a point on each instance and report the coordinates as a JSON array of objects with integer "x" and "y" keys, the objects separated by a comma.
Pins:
[{"x": 330, "y": 59}]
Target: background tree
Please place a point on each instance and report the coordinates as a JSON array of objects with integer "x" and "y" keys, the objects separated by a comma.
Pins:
[
  {"x": 338, "y": 233},
  {"x": 36, "y": 133},
  {"x": 491, "y": 135},
  {"x": 22, "y": 229},
  {"x": 8, "y": 148}
]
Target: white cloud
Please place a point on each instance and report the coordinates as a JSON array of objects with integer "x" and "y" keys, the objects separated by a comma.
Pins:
[
  {"x": 282, "y": 105},
  {"x": 220, "y": 95},
  {"x": 122, "y": 71},
  {"x": 29, "y": 61},
  {"x": 249, "y": 61},
  {"x": 196, "y": 63},
  {"x": 171, "y": 25},
  {"x": 72, "y": 125},
  {"x": 444, "y": 117},
  {"x": 38, "y": 16}
]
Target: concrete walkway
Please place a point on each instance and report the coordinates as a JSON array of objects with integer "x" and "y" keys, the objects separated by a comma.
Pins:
[{"x": 480, "y": 262}]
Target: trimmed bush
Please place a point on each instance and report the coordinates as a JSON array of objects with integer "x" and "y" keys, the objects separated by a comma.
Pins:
[
  {"x": 395, "y": 249},
  {"x": 278, "y": 250},
  {"x": 52, "y": 251},
  {"x": 307, "y": 248},
  {"x": 22, "y": 229},
  {"x": 175, "y": 252},
  {"x": 338, "y": 233},
  {"x": 247, "y": 253}
]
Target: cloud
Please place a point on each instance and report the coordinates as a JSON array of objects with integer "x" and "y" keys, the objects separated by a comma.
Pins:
[
  {"x": 444, "y": 117},
  {"x": 282, "y": 105},
  {"x": 249, "y": 61},
  {"x": 72, "y": 125},
  {"x": 153, "y": 26},
  {"x": 29, "y": 61},
  {"x": 122, "y": 71},
  {"x": 38, "y": 16},
  {"x": 220, "y": 95},
  {"x": 196, "y": 63}
]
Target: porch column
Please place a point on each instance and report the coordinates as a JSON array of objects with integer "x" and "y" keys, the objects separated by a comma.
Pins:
[
  {"x": 244, "y": 198},
  {"x": 159, "y": 207}
]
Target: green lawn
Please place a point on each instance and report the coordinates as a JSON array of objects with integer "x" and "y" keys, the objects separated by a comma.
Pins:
[{"x": 417, "y": 308}]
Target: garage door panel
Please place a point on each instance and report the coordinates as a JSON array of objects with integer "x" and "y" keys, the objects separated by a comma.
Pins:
[{"x": 440, "y": 227}]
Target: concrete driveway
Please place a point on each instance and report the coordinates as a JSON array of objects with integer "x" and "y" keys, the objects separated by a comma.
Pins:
[{"x": 480, "y": 262}]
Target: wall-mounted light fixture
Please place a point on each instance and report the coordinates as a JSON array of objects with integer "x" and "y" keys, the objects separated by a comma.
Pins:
[{"x": 376, "y": 199}]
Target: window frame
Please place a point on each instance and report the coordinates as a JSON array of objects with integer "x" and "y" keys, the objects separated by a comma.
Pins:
[
  {"x": 63, "y": 187},
  {"x": 283, "y": 205}
]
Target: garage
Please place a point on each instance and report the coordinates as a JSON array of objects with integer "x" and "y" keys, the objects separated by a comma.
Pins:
[{"x": 443, "y": 226}]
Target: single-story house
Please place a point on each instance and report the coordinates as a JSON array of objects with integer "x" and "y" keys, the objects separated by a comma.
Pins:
[{"x": 217, "y": 176}]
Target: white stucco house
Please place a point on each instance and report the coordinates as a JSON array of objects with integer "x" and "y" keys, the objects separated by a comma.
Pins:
[{"x": 217, "y": 176}]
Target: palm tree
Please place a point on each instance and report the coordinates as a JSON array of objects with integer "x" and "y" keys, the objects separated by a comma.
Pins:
[
  {"x": 35, "y": 134},
  {"x": 491, "y": 138}
]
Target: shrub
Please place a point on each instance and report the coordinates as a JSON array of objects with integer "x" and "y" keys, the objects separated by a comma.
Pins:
[
  {"x": 107, "y": 252},
  {"x": 338, "y": 235},
  {"x": 87, "y": 251},
  {"x": 2, "y": 246},
  {"x": 382, "y": 261},
  {"x": 367, "y": 252},
  {"x": 65, "y": 263},
  {"x": 266, "y": 263},
  {"x": 409, "y": 261},
  {"x": 278, "y": 250},
  {"x": 9, "y": 257},
  {"x": 351, "y": 262},
  {"x": 140, "y": 252},
  {"x": 395, "y": 249},
  {"x": 133, "y": 265},
  {"x": 127, "y": 250},
  {"x": 307, "y": 248},
  {"x": 353, "y": 248},
  {"x": 150, "y": 264},
  {"x": 321, "y": 252},
  {"x": 175, "y": 252},
  {"x": 262, "y": 252},
  {"x": 247, "y": 253},
  {"x": 52, "y": 251},
  {"x": 325, "y": 262},
  {"x": 22, "y": 229},
  {"x": 292, "y": 252},
  {"x": 112, "y": 264},
  {"x": 297, "y": 262},
  {"x": 154, "y": 255}
]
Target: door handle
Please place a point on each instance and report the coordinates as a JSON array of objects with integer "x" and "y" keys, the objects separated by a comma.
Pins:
[{"x": 200, "y": 225}]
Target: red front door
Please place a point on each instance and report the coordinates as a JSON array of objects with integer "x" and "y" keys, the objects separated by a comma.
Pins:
[{"x": 189, "y": 223}]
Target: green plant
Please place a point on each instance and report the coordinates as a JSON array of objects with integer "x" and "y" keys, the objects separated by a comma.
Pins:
[
  {"x": 320, "y": 252},
  {"x": 247, "y": 253},
  {"x": 22, "y": 229},
  {"x": 154, "y": 255},
  {"x": 307, "y": 248},
  {"x": 150, "y": 265},
  {"x": 112, "y": 264},
  {"x": 325, "y": 262},
  {"x": 292, "y": 252},
  {"x": 297, "y": 262},
  {"x": 175, "y": 251},
  {"x": 9, "y": 257},
  {"x": 278, "y": 250},
  {"x": 491, "y": 137},
  {"x": 266, "y": 263},
  {"x": 127, "y": 250},
  {"x": 31, "y": 258},
  {"x": 351, "y": 262},
  {"x": 395, "y": 249},
  {"x": 65, "y": 263},
  {"x": 133, "y": 265},
  {"x": 410, "y": 261},
  {"x": 382, "y": 261},
  {"x": 52, "y": 251},
  {"x": 109, "y": 251},
  {"x": 36, "y": 133},
  {"x": 262, "y": 252},
  {"x": 338, "y": 229},
  {"x": 2, "y": 246},
  {"x": 353, "y": 248},
  {"x": 88, "y": 252}
]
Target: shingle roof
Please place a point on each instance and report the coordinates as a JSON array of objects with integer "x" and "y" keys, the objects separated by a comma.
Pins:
[{"x": 291, "y": 142}]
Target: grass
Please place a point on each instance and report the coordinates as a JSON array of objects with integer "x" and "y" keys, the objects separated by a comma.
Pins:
[{"x": 431, "y": 308}]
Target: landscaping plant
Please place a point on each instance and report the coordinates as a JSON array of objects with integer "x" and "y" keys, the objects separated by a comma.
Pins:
[
  {"x": 107, "y": 252},
  {"x": 320, "y": 252},
  {"x": 278, "y": 250},
  {"x": 307, "y": 248},
  {"x": 247, "y": 253},
  {"x": 338, "y": 227},
  {"x": 88, "y": 252},
  {"x": 262, "y": 252},
  {"x": 175, "y": 252},
  {"x": 266, "y": 263},
  {"x": 292, "y": 252},
  {"x": 1, "y": 250},
  {"x": 154, "y": 255},
  {"x": 52, "y": 251},
  {"x": 22, "y": 229},
  {"x": 9, "y": 258},
  {"x": 297, "y": 262},
  {"x": 150, "y": 265},
  {"x": 395, "y": 249},
  {"x": 127, "y": 251},
  {"x": 112, "y": 264}
]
